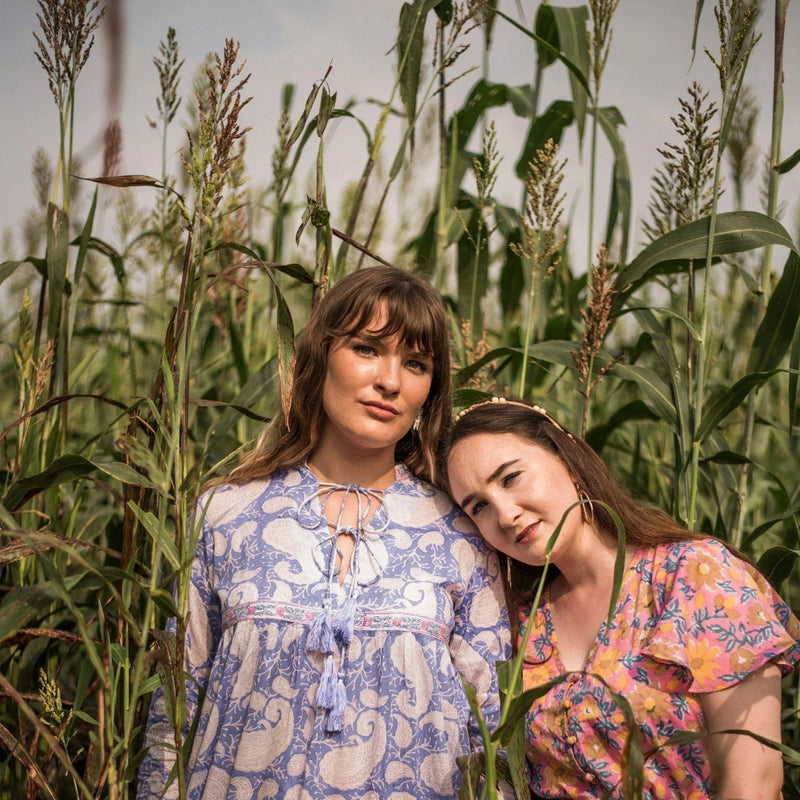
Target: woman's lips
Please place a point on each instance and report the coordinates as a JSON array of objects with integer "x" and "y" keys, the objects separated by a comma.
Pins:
[
  {"x": 528, "y": 533},
  {"x": 381, "y": 410}
]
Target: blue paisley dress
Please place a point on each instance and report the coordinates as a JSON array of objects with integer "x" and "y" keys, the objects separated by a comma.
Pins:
[{"x": 271, "y": 631}]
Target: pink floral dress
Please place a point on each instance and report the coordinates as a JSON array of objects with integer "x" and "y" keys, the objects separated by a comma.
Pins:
[{"x": 691, "y": 618}]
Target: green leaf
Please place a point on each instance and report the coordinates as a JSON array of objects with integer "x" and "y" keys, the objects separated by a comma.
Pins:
[
  {"x": 301, "y": 122},
  {"x": 21, "y": 604},
  {"x": 237, "y": 350},
  {"x": 545, "y": 28},
  {"x": 83, "y": 244},
  {"x": 656, "y": 392},
  {"x": 729, "y": 401},
  {"x": 57, "y": 263},
  {"x": 142, "y": 456},
  {"x": 549, "y": 125},
  {"x": 444, "y": 10},
  {"x": 726, "y": 457},
  {"x": 517, "y": 710},
  {"x": 112, "y": 254},
  {"x": 736, "y": 232},
  {"x": 473, "y": 269},
  {"x": 698, "y": 10},
  {"x": 521, "y": 100},
  {"x": 571, "y": 23},
  {"x": 574, "y": 69},
  {"x": 297, "y": 271},
  {"x": 410, "y": 43},
  {"x": 163, "y": 539},
  {"x": 8, "y": 268},
  {"x": 326, "y": 105},
  {"x": 789, "y": 163},
  {"x": 124, "y": 473},
  {"x": 777, "y": 563},
  {"x": 611, "y": 121},
  {"x": 65, "y": 469},
  {"x": 777, "y": 329},
  {"x": 794, "y": 373},
  {"x": 483, "y": 95}
]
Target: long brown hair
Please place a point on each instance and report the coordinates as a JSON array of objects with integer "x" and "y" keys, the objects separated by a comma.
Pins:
[
  {"x": 416, "y": 313},
  {"x": 642, "y": 524}
]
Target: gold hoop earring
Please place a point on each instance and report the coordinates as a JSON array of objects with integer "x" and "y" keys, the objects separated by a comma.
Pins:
[
  {"x": 508, "y": 572},
  {"x": 585, "y": 501}
]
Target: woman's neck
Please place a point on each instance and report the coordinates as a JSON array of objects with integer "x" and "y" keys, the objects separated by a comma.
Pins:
[{"x": 372, "y": 471}]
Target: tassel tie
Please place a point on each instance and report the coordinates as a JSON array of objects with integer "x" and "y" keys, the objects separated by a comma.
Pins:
[{"x": 332, "y": 630}]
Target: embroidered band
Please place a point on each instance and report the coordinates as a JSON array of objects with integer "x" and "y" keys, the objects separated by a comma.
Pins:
[{"x": 363, "y": 620}]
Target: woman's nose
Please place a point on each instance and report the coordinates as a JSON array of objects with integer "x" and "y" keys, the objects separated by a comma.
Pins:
[
  {"x": 507, "y": 514},
  {"x": 388, "y": 374}
]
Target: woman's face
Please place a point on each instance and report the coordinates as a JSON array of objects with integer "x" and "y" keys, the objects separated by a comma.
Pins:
[
  {"x": 374, "y": 388},
  {"x": 516, "y": 492}
]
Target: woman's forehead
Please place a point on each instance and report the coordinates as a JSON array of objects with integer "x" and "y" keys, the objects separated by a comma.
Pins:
[{"x": 385, "y": 322}]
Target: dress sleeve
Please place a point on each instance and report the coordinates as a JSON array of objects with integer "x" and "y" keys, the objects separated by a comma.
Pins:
[
  {"x": 202, "y": 637},
  {"x": 718, "y": 617},
  {"x": 480, "y": 634}
]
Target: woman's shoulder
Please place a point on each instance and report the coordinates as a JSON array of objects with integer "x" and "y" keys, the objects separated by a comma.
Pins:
[
  {"x": 226, "y": 501},
  {"x": 676, "y": 554},
  {"x": 426, "y": 505}
]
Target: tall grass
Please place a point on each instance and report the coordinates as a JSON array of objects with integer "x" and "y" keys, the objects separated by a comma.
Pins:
[{"x": 122, "y": 397}]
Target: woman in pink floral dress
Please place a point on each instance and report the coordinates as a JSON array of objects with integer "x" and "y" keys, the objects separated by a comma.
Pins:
[{"x": 697, "y": 639}]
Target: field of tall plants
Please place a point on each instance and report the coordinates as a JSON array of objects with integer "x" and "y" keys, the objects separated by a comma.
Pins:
[{"x": 134, "y": 370}]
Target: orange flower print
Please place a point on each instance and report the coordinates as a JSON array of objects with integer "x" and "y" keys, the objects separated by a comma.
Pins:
[
  {"x": 757, "y": 616},
  {"x": 702, "y": 574},
  {"x": 649, "y": 705},
  {"x": 595, "y": 747},
  {"x": 724, "y": 601},
  {"x": 742, "y": 661},
  {"x": 704, "y": 660},
  {"x": 555, "y": 775}
]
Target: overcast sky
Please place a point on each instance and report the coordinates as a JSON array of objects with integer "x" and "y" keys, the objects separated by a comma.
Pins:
[{"x": 649, "y": 67}]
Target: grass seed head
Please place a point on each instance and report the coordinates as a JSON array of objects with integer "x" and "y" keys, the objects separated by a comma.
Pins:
[
  {"x": 543, "y": 209},
  {"x": 168, "y": 68},
  {"x": 682, "y": 185},
  {"x": 67, "y": 28}
]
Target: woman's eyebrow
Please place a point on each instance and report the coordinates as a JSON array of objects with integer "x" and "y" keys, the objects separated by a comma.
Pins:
[{"x": 493, "y": 477}]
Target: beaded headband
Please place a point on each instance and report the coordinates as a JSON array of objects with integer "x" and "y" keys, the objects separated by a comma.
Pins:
[{"x": 506, "y": 402}]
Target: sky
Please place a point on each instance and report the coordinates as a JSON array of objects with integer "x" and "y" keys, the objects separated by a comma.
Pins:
[{"x": 649, "y": 67}]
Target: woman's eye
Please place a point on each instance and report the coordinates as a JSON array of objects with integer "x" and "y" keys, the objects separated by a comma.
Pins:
[
  {"x": 418, "y": 366},
  {"x": 510, "y": 477},
  {"x": 363, "y": 349},
  {"x": 477, "y": 508}
]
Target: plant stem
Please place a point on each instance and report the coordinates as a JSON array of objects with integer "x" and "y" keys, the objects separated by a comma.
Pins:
[
  {"x": 781, "y": 9},
  {"x": 592, "y": 177}
]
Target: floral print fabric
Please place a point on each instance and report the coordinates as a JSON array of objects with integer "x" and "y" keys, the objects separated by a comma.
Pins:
[
  {"x": 691, "y": 618},
  {"x": 429, "y": 611}
]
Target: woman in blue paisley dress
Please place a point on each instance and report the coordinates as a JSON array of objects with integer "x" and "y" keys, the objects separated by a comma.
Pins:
[{"x": 338, "y": 600}]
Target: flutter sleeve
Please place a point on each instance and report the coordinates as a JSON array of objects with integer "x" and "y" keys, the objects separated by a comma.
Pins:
[
  {"x": 718, "y": 617},
  {"x": 202, "y": 637},
  {"x": 480, "y": 635}
]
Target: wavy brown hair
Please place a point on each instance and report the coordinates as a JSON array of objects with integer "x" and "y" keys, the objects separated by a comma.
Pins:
[
  {"x": 642, "y": 524},
  {"x": 416, "y": 313}
]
